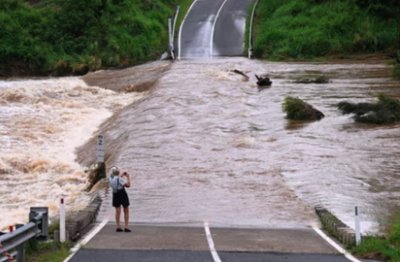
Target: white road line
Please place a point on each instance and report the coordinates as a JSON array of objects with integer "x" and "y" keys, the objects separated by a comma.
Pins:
[
  {"x": 213, "y": 28},
  {"x": 335, "y": 245},
  {"x": 180, "y": 28},
  {"x": 85, "y": 240},
  {"x": 211, "y": 243}
]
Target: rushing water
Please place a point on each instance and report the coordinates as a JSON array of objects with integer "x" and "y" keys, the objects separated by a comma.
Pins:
[
  {"x": 41, "y": 124},
  {"x": 208, "y": 145},
  {"x": 205, "y": 144}
]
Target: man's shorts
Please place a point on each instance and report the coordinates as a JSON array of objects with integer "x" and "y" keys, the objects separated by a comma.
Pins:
[{"x": 120, "y": 198}]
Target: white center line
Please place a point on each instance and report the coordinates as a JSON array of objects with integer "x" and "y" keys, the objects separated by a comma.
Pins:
[
  {"x": 211, "y": 242},
  {"x": 213, "y": 28}
]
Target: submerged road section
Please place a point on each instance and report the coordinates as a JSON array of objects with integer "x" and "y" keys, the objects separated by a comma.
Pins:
[
  {"x": 213, "y": 28},
  {"x": 200, "y": 243}
]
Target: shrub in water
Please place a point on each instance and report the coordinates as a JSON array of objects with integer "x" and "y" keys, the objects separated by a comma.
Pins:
[
  {"x": 297, "y": 109},
  {"x": 385, "y": 111}
]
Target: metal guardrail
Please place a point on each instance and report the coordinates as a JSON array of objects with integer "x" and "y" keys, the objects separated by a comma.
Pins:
[
  {"x": 171, "y": 32},
  {"x": 251, "y": 37},
  {"x": 37, "y": 228}
]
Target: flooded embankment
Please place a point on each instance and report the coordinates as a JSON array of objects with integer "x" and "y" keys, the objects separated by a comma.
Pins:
[{"x": 208, "y": 145}]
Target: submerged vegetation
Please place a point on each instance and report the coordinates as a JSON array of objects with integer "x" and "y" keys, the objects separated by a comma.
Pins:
[
  {"x": 304, "y": 29},
  {"x": 73, "y": 36},
  {"x": 297, "y": 109},
  {"x": 385, "y": 111}
]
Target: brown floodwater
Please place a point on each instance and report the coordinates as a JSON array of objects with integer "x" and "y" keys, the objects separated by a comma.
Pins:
[
  {"x": 208, "y": 145},
  {"x": 203, "y": 143}
]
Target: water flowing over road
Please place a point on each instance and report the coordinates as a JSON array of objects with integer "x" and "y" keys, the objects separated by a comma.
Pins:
[
  {"x": 208, "y": 145},
  {"x": 204, "y": 144}
]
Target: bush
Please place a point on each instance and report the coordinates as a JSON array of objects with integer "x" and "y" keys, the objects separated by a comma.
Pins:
[
  {"x": 297, "y": 109},
  {"x": 385, "y": 111}
]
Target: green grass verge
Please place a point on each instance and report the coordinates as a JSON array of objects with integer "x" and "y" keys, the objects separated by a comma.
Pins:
[
  {"x": 383, "y": 248},
  {"x": 48, "y": 252},
  {"x": 306, "y": 29},
  {"x": 65, "y": 37}
]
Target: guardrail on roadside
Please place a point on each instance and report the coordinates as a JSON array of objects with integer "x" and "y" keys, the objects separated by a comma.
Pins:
[
  {"x": 12, "y": 244},
  {"x": 171, "y": 33},
  {"x": 251, "y": 37}
]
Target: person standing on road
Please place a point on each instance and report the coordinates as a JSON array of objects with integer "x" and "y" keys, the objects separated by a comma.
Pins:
[{"x": 120, "y": 198}]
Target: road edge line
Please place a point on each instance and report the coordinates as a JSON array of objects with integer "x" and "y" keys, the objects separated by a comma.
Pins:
[
  {"x": 335, "y": 245},
  {"x": 210, "y": 241},
  {"x": 180, "y": 28},
  {"x": 86, "y": 239},
  {"x": 213, "y": 28}
]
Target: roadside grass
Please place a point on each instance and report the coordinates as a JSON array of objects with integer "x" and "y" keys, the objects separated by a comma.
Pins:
[
  {"x": 64, "y": 37},
  {"x": 48, "y": 252},
  {"x": 385, "y": 248},
  {"x": 302, "y": 29}
]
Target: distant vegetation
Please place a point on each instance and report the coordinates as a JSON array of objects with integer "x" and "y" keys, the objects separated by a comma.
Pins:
[
  {"x": 64, "y": 37},
  {"x": 304, "y": 29}
]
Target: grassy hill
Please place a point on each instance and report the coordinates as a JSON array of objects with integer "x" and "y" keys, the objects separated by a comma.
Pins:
[
  {"x": 304, "y": 29},
  {"x": 60, "y": 37}
]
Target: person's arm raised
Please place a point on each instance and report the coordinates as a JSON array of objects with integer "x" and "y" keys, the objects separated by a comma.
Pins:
[{"x": 128, "y": 180}]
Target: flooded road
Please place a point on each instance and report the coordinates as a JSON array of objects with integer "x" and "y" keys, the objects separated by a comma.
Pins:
[
  {"x": 203, "y": 144},
  {"x": 207, "y": 145}
]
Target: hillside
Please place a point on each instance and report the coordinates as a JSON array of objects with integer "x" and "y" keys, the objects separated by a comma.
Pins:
[
  {"x": 61, "y": 37},
  {"x": 308, "y": 29}
]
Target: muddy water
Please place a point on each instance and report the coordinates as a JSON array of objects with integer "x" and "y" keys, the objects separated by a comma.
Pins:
[
  {"x": 204, "y": 144},
  {"x": 208, "y": 145},
  {"x": 41, "y": 124}
]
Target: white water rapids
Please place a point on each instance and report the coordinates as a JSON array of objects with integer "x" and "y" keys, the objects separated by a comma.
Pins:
[{"x": 41, "y": 123}]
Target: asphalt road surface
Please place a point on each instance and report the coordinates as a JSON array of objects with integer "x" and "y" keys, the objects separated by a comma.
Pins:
[
  {"x": 178, "y": 243},
  {"x": 214, "y": 28}
]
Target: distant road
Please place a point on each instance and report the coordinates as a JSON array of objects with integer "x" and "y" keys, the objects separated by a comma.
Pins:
[{"x": 214, "y": 28}]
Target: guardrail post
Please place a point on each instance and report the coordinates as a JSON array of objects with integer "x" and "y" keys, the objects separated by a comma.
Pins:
[
  {"x": 357, "y": 225},
  {"x": 170, "y": 39},
  {"x": 251, "y": 38},
  {"x": 20, "y": 248},
  {"x": 62, "y": 221},
  {"x": 40, "y": 216}
]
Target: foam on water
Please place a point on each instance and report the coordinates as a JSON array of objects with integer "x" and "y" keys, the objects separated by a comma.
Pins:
[{"x": 41, "y": 124}]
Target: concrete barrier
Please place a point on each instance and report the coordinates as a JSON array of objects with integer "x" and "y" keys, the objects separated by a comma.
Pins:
[
  {"x": 77, "y": 223},
  {"x": 336, "y": 227}
]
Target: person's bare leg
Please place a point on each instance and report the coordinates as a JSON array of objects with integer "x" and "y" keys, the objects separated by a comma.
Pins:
[
  {"x": 118, "y": 216},
  {"x": 126, "y": 214}
]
